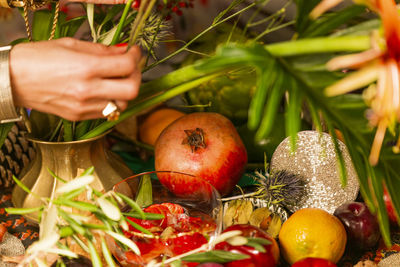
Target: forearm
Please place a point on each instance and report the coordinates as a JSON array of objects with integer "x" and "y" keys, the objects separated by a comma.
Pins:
[{"x": 7, "y": 109}]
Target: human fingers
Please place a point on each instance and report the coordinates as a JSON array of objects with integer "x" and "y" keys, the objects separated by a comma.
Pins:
[
  {"x": 107, "y": 2},
  {"x": 73, "y": 110},
  {"x": 113, "y": 89},
  {"x": 89, "y": 47},
  {"x": 121, "y": 65}
]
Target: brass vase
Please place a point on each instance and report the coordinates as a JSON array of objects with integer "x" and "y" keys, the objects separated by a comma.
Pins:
[{"x": 67, "y": 160}]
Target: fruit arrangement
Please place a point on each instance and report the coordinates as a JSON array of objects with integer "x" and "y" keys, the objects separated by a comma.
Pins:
[
  {"x": 309, "y": 237},
  {"x": 258, "y": 229},
  {"x": 176, "y": 233}
]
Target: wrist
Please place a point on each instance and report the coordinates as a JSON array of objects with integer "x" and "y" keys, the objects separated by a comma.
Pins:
[
  {"x": 8, "y": 113},
  {"x": 4, "y": 3}
]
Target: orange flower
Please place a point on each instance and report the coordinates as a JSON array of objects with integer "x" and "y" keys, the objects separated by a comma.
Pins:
[{"x": 380, "y": 64}]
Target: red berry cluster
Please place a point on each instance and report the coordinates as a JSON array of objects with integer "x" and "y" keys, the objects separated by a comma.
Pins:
[
  {"x": 175, "y": 6},
  {"x": 172, "y": 6}
]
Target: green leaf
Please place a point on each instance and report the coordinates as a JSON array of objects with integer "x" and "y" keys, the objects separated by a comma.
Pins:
[
  {"x": 81, "y": 205},
  {"x": 43, "y": 124},
  {"x": 266, "y": 79},
  {"x": 361, "y": 28},
  {"x": 94, "y": 256},
  {"x": 55, "y": 176},
  {"x": 256, "y": 246},
  {"x": 377, "y": 186},
  {"x": 259, "y": 240},
  {"x": 304, "y": 8},
  {"x": 76, "y": 226},
  {"x": 68, "y": 134},
  {"x": 138, "y": 227},
  {"x": 271, "y": 109},
  {"x": 4, "y": 129},
  {"x": 88, "y": 171},
  {"x": 148, "y": 216},
  {"x": 338, "y": 151},
  {"x": 293, "y": 119},
  {"x": 218, "y": 256},
  {"x": 72, "y": 194},
  {"x": 82, "y": 128},
  {"x": 392, "y": 180},
  {"x": 106, "y": 253},
  {"x": 24, "y": 187},
  {"x": 135, "y": 206},
  {"x": 90, "y": 17},
  {"x": 177, "y": 263},
  {"x": 314, "y": 114},
  {"x": 71, "y": 26},
  {"x": 42, "y": 24},
  {"x": 66, "y": 231},
  {"x": 329, "y": 22},
  {"x": 22, "y": 210},
  {"x": 144, "y": 197}
]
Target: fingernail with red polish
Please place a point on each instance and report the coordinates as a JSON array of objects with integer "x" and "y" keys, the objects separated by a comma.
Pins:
[{"x": 121, "y": 45}]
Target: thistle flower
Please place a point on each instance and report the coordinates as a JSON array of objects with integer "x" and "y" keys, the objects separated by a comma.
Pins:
[
  {"x": 281, "y": 187},
  {"x": 155, "y": 29},
  {"x": 380, "y": 64}
]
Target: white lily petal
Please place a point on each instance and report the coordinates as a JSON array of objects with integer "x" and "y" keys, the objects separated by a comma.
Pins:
[
  {"x": 79, "y": 218},
  {"x": 224, "y": 236},
  {"x": 64, "y": 252},
  {"x": 118, "y": 198},
  {"x": 126, "y": 241},
  {"x": 124, "y": 225},
  {"x": 237, "y": 241},
  {"x": 355, "y": 80},
  {"x": 76, "y": 184},
  {"x": 44, "y": 244},
  {"x": 109, "y": 209},
  {"x": 49, "y": 222}
]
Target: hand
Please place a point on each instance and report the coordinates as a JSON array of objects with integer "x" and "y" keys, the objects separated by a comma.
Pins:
[
  {"x": 73, "y": 79},
  {"x": 107, "y": 2}
]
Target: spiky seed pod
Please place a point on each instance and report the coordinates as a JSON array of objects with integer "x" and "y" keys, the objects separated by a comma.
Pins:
[
  {"x": 282, "y": 187},
  {"x": 155, "y": 26}
]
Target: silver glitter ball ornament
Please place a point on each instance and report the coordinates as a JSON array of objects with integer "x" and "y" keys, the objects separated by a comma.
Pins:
[{"x": 315, "y": 161}]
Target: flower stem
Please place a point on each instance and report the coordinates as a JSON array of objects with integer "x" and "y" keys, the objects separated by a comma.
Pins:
[
  {"x": 197, "y": 37},
  {"x": 320, "y": 45},
  {"x": 121, "y": 23},
  {"x": 134, "y": 109}
]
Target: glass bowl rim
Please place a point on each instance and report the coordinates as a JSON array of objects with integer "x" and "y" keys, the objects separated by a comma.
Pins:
[{"x": 218, "y": 196}]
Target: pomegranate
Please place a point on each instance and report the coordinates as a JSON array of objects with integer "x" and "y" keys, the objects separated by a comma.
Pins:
[{"x": 202, "y": 144}]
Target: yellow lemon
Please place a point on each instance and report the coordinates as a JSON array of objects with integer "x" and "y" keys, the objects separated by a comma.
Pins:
[{"x": 314, "y": 233}]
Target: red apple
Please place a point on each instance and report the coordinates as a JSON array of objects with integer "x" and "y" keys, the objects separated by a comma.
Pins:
[
  {"x": 389, "y": 207},
  {"x": 361, "y": 226},
  {"x": 269, "y": 258},
  {"x": 314, "y": 262},
  {"x": 202, "y": 144}
]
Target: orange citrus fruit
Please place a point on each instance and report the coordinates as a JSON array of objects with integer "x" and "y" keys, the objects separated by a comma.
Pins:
[
  {"x": 312, "y": 233},
  {"x": 155, "y": 123}
]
